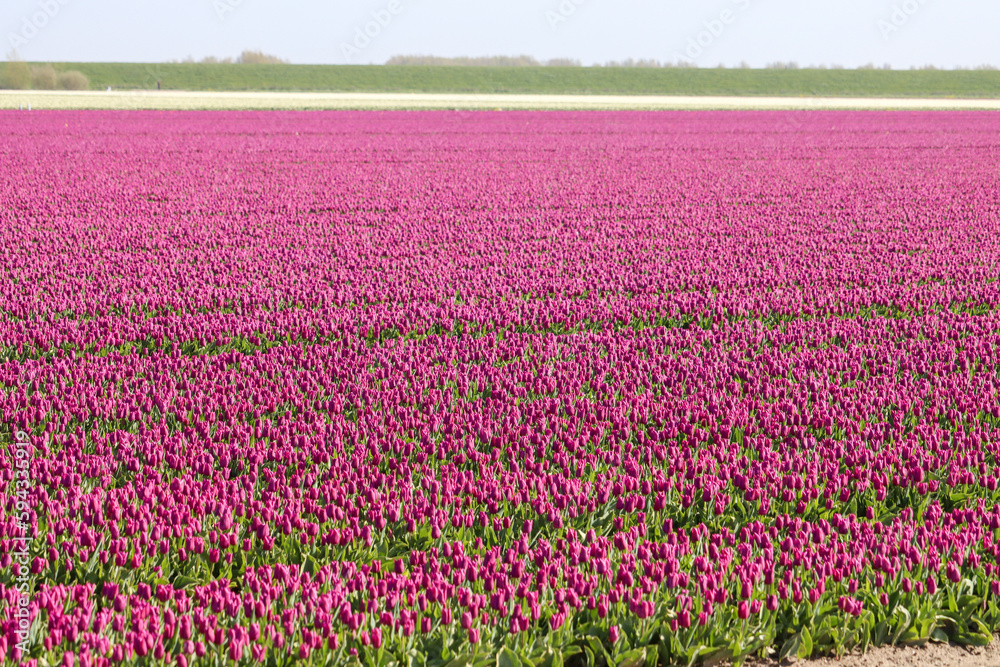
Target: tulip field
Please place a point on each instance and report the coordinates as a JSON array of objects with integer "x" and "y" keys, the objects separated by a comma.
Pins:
[{"x": 524, "y": 389}]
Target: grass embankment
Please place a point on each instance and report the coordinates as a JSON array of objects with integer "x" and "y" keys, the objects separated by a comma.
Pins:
[{"x": 542, "y": 80}]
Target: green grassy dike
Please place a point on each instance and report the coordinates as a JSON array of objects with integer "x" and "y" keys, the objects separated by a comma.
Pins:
[{"x": 542, "y": 80}]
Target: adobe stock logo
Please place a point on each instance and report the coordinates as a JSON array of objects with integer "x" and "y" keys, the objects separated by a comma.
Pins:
[
  {"x": 900, "y": 16},
  {"x": 566, "y": 9},
  {"x": 381, "y": 19},
  {"x": 30, "y": 26},
  {"x": 714, "y": 29},
  {"x": 223, "y": 7}
]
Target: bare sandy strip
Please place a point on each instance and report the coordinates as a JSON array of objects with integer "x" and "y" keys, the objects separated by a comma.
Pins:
[
  {"x": 172, "y": 99},
  {"x": 929, "y": 655}
]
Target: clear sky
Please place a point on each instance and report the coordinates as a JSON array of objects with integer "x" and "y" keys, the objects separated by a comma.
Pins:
[{"x": 902, "y": 33}]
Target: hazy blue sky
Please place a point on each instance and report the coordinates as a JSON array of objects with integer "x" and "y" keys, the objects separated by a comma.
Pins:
[{"x": 846, "y": 32}]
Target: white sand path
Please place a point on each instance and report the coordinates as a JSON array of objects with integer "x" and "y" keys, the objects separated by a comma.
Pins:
[{"x": 171, "y": 99}]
